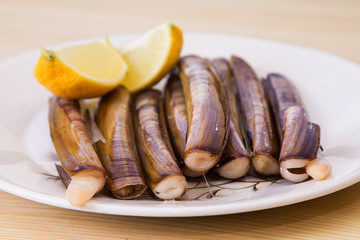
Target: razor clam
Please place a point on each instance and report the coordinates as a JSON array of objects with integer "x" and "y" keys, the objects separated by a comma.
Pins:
[
  {"x": 207, "y": 113},
  {"x": 300, "y": 138},
  {"x": 301, "y": 144},
  {"x": 258, "y": 121},
  {"x": 175, "y": 111},
  {"x": 235, "y": 161},
  {"x": 118, "y": 154},
  {"x": 161, "y": 171},
  {"x": 69, "y": 134},
  {"x": 282, "y": 95}
]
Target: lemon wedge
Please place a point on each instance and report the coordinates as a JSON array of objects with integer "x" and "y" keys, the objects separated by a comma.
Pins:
[
  {"x": 152, "y": 56},
  {"x": 81, "y": 71}
]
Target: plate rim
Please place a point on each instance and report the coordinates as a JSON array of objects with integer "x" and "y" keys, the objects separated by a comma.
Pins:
[{"x": 178, "y": 211}]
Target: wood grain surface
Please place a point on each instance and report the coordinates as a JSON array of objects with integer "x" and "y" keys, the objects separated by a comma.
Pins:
[{"x": 329, "y": 25}]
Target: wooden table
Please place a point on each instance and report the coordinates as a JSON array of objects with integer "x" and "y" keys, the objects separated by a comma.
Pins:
[{"x": 332, "y": 26}]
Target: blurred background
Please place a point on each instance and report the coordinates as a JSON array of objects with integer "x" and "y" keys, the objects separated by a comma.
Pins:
[{"x": 329, "y": 25}]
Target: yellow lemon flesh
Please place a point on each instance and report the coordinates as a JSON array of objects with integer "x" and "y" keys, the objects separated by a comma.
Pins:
[
  {"x": 81, "y": 71},
  {"x": 152, "y": 56}
]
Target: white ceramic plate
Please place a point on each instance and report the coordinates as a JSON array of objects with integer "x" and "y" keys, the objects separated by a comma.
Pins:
[{"x": 328, "y": 85}]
